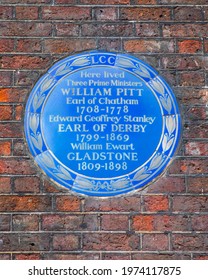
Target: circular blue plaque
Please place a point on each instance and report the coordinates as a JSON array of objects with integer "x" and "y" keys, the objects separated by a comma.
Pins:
[{"x": 102, "y": 124}]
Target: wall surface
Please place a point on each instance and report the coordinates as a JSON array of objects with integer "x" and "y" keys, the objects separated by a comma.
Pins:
[{"x": 167, "y": 221}]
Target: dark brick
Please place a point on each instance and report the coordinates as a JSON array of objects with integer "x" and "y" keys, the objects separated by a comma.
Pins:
[
  {"x": 155, "y": 242},
  {"x": 190, "y": 204},
  {"x": 160, "y": 256},
  {"x": 25, "y": 222},
  {"x": 190, "y": 242},
  {"x": 198, "y": 185},
  {"x": 66, "y": 242},
  {"x": 5, "y": 222},
  {"x": 114, "y": 222},
  {"x": 27, "y": 184}
]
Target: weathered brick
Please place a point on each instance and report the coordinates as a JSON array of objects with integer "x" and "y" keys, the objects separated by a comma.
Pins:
[
  {"x": 27, "y": 184},
  {"x": 107, "y": 30},
  {"x": 187, "y": 14},
  {"x": 190, "y": 204},
  {"x": 105, "y": 2},
  {"x": 196, "y": 130},
  {"x": 190, "y": 96},
  {"x": 19, "y": 148},
  {"x": 110, "y": 242},
  {"x": 5, "y": 184},
  {"x": 146, "y": 46},
  {"x": 25, "y": 78},
  {"x": 27, "y": 12},
  {"x": 68, "y": 203},
  {"x": 191, "y": 166},
  {"x": 150, "y": 13},
  {"x": 192, "y": 79},
  {"x": 121, "y": 204},
  {"x": 25, "y": 203},
  {"x": 198, "y": 184},
  {"x": 178, "y": 62},
  {"x": 145, "y": 2},
  {"x": 33, "y": 45},
  {"x": 26, "y": 1},
  {"x": 114, "y": 222},
  {"x": 6, "y": 45},
  {"x": 199, "y": 223},
  {"x": 25, "y": 222},
  {"x": 11, "y": 130},
  {"x": 67, "y": 29},
  {"x": 167, "y": 185},
  {"x": 5, "y": 257},
  {"x": 5, "y": 148},
  {"x": 161, "y": 256},
  {"x": 103, "y": 13},
  {"x": 27, "y": 29},
  {"x": 155, "y": 242},
  {"x": 68, "y": 45},
  {"x": 190, "y": 242},
  {"x": 5, "y": 112},
  {"x": 200, "y": 256},
  {"x": 18, "y": 112},
  {"x": 12, "y": 95},
  {"x": 194, "y": 113},
  {"x": 190, "y": 46},
  {"x": 24, "y": 242},
  {"x": 155, "y": 203},
  {"x": 116, "y": 256},
  {"x": 68, "y": 13},
  {"x": 196, "y": 149},
  {"x": 6, "y": 12},
  {"x": 17, "y": 166},
  {"x": 5, "y": 222},
  {"x": 24, "y": 62},
  {"x": 5, "y": 78},
  {"x": 110, "y": 44},
  {"x": 27, "y": 256},
  {"x": 147, "y": 30},
  {"x": 198, "y": 2},
  {"x": 69, "y": 222},
  {"x": 66, "y": 242},
  {"x": 185, "y": 30},
  {"x": 72, "y": 256}
]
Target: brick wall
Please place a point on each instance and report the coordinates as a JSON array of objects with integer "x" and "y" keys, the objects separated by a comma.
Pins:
[{"x": 170, "y": 219}]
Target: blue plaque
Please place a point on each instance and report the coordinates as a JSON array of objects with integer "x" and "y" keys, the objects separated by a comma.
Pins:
[{"x": 102, "y": 124}]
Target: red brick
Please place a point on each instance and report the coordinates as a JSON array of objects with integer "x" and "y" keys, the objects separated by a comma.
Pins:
[
  {"x": 114, "y": 222},
  {"x": 5, "y": 184},
  {"x": 25, "y": 203},
  {"x": 5, "y": 112},
  {"x": 25, "y": 222},
  {"x": 72, "y": 256},
  {"x": 67, "y": 29},
  {"x": 24, "y": 242},
  {"x": 196, "y": 113},
  {"x": 12, "y": 95},
  {"x": 105, "y": 13},
  {"x": 199, "y": 223},
  {"x": 11, "y": 130},
  {"x": 185, "y": 30},
  {"x": 177, "y": 62},
  {"x": 155, "y": 242},
  {"x": 31, "y": 45},
  {"x": 195, "y": 130},
  {"x": 19, "y": 148},
  {"x": 107, "y": 30},
  {"x": 146, "y": 46},
  {"x": 121, "y": 204},
  {"x": 27, "y": 184},
  {"x": 192, "y": 2},
  {"x": 198, "y": 185},
  {"x": 150, "y": 13},
  {"x": 69, "y": 222},
  {"x": 6, "y": 45},
  {"x": 6, "y": 12},
  {"x": 5, "y": 257},
  {"x": 65, "y": 1},
  {"x": 161, "y": 256},
  {"x": 206, "y": 46},
  {"x": 24, "y": 62},
  {"x": 191, "y": 166},
  {"x": 189, "y": 46},
  {"x": 16, "y": 166},
  {"x": 105, "y": 2},
  {"x": 26, "y": 256},
  {"x": 110, "y": 242},
  {"x": 26, "y": 78},
  {"x": 18, "y": 111},
  {"x": 26, "y": 12},
  {"x": 192, "y": 96},
  {"x": 200, "y": 256},
  {"x": 190, "y": 203},
  {"x": 116, "y": 256},
  {"x": 187, "y": 14},
  {"x": 109, "y": 44},
  {"x": 143, "y": 223},
  {"x": 66, "y": 242},
  {"x": 5, "y": 148},
  {"x": 5, "y": 78},
  {"x": 147, "y": 30},
  {"x": 68, "y": 13},
  {"x": 50, "y": 187},
  {"x": 167, "y": 185},
  {"x": 196, "y": 149},
  {"x": 5, "y": 222},
  {"x": 68, "y": 45},
  {"x": 190, "y": 242},
  {"x": 155, "y": 203},
  {"x": 27, "y": 29},
  {"x": 68, "y": 203},
  {"x": 145, "y": 2},
  {"x": 26, "y": 1}
]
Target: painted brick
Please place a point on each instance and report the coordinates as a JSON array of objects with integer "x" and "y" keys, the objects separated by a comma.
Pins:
[
  {"x": 25, "y": 222},
  {"x": 66, "y": 242},
  {"x": 5, "y": 148},
  {"x": 68, "y": 203},
  {"x": 68, "y": 13},
  {"x": 155, "y": 242},
  {"x": 156, "y": 13},
  {"x": 114, "y": 222},
  {"x": 16, "y": 203},
  {"x": 121, "y": 204},
  {"x": 111, "y": 242},
  {"x": 69, "y": 222},
  {"x": 27, "y": 184},
  {"x": 155, "y": 203}
]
